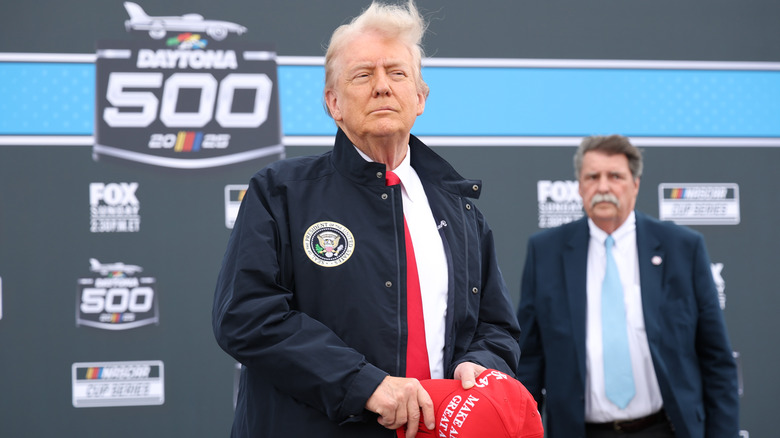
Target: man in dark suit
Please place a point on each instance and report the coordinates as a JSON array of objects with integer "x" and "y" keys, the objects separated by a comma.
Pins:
[{"x": 657, "y": 361}]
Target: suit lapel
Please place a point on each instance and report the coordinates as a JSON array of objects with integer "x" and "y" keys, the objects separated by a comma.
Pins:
[
  {"x": 652, "y": 263},
  {"x": 575, "y": 264}
]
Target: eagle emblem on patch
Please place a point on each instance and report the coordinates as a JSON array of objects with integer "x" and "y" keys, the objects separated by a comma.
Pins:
[{"x": 328, "y": 244}]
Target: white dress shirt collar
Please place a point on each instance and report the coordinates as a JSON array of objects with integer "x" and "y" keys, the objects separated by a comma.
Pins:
[{"x": 626, "y": 228}]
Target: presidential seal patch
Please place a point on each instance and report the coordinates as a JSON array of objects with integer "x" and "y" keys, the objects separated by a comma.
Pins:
[{"x": 328, "y": 244}]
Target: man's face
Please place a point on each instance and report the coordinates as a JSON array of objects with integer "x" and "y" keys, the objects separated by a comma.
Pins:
[
  {"x": 375, "y": 93},
  {"x": 607, "y": 188}
]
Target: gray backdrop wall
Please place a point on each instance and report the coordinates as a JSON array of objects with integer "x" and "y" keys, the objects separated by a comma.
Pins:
[{"x": 514, "y": 87}]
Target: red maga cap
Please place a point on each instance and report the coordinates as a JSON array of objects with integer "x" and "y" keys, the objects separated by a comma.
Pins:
[{"x": 498, "y": 406}]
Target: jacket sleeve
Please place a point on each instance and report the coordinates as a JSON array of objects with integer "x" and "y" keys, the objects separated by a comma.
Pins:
[
  {"x": 255, "y": 321},
  {"x": 495, "y": 341},
  {"x": 530, "y": 370},
  {"x": 716, "y": 361}
]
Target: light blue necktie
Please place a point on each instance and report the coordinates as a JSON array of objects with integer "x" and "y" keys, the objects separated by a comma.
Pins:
[{"x": 618, "y": 377}]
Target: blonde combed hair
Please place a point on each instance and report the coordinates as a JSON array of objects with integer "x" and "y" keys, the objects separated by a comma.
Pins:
[{"x": 403, "y": 23}]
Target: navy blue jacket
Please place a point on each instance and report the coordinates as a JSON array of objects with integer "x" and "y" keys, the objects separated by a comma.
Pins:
[
  {"x": 317, "y": 338},
  {"x": 689, "y": 345}
]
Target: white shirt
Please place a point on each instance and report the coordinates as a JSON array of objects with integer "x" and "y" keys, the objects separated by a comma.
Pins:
[
  {"x": 598, "y": 409},
  {"x": 431, "y": 260}
]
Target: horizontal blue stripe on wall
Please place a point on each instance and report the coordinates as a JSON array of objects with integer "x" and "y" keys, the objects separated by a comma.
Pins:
[{"x": 58, "y": 99}]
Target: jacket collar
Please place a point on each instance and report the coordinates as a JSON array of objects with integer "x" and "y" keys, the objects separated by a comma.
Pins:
[{"x": 431, "y": 168}]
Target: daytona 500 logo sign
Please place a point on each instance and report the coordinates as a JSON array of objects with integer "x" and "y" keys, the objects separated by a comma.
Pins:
[{"x": 184, "y": 100}]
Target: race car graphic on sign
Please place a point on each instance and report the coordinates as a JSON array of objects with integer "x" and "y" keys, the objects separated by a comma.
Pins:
[
  {"x": 158, "y": 27},
  {"x": 185, "y": 95}
]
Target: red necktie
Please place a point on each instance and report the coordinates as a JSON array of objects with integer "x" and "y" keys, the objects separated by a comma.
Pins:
[{"x": 416, "y": 350}]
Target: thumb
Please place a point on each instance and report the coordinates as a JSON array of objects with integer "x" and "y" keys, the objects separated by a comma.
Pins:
[{"x": 468, "y": 383}]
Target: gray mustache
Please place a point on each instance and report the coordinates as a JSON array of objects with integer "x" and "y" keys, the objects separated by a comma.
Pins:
[{"x": 605, "y": 197}]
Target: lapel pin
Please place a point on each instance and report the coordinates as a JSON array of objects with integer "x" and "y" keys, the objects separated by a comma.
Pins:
[{"x": 656, "y": 260}]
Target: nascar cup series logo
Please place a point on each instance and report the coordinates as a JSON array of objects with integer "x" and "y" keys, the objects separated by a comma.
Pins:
[
  {"x": 699, "y": 203},
  {"x": 328, "y": 244},
  {"x": 100, "y": 384},
  {"x": 234, "y": 194},
  {"x": 115, "y": 298},
  {"x": 559, "y": 202},
  {"x": 183, "y": 95}
]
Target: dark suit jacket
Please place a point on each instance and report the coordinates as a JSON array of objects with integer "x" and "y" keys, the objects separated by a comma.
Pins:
[{"x": 684, "y": 323}]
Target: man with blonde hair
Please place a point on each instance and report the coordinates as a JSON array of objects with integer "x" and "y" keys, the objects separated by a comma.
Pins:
[{"x": 351, "y": 276}]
